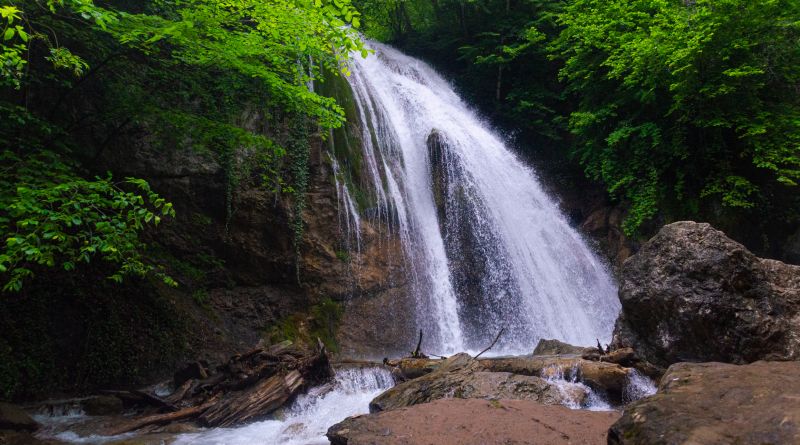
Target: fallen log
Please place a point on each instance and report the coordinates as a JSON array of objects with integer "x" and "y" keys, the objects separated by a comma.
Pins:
[
  {"x": 411, "y": 368},
  {"x": 247, "y": 387},
  {"x": 266, "y": 397},
  {"x": 163, "y": 419}
]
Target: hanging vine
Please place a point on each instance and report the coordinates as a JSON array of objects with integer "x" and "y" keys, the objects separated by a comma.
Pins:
[{"x": 298, "y": 150}]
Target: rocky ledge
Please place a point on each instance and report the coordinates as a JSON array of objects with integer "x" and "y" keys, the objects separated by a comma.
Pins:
[{"x": 717, "y": 403}]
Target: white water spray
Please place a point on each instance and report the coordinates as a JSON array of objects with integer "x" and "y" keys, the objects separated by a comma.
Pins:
[{"x": 307, "y": 421}]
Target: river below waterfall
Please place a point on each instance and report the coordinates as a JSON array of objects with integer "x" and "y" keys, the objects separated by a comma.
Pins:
[{"x": 307, "y": 420}]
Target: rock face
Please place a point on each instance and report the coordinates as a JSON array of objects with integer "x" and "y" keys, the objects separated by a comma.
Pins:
[
  {"x": 716, "y": 403},
  {"x": 461, "y": 376},
  {"x": 458, "y": 421},
  {"x": 693, "y": 294},
  {"x": 14, "y": 418}
]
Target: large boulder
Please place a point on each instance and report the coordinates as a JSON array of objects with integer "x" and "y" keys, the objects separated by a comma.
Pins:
[
  {"x": 716, "y": 403},
  {"x": 461, "y": 376},
  {"x": 693, "y": 294},
  {"x": 488, "y": 422}
]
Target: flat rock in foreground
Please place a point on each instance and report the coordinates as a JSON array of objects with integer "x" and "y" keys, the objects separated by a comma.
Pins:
[
  {"x": 474, "y": 421},
  {"x": 715, "y": 404}
]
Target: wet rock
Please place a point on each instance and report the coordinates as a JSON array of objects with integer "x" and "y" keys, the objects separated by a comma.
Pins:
[
  {"x": 693, "y": 294},
  {"x": 716, "y": 403},
  {"x": 473, "y": 421},
  {"x": 628, "y": 358},
  {"x": 194, "y": 370},
  {"x": 461, "y": 376},
  {"x": 15, "y": 418},
  {"x": 624, "y": 357},
  {"x": 556, "y": 347},
  {"x": 608, "y": 378},
  {"x": 411, "y": 368},
  {"x": 102, "y": 405}
]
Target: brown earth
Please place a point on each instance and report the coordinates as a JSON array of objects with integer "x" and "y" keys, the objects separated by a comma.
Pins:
[{"x": 474, "y": 421}]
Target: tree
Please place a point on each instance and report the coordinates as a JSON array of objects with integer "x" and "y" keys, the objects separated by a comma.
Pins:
[
  {"x": 74, "y": 75},
  {"x": 683, "y": 105}
]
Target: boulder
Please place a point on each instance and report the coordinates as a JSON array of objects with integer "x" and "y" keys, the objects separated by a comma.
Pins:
[
  {"x": 15, "y": 418},
  {"x": 608, "y": 378},
  {"x": 556, "y": 347},
  {"x": 716, "y": 403},
  {"x": 461, "y": 376},
  {"x": 692, "y": 294},
  {"x": 463, "y": 421}
]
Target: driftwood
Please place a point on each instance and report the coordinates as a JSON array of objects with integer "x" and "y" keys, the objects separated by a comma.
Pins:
[
  {"x": 163, "y": 419},
  {"x": 493, "y": 343},
  {"x": 248, "y": 387},
  {"x": 265, "y": 397},
  {"x": 417, "y": 353}
]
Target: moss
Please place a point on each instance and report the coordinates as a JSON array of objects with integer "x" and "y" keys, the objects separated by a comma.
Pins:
[
  {"x": 321, "y": 321},
  {"x": 77, "y": 336},
  {"x": 343, "y": 256},
  {"x": 346, "y": 144},
  {"x": 200, "y": 296}
]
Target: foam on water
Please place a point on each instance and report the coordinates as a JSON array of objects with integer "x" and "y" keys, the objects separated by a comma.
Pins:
[
  {"x": 306, "y": 422},
  {"x": 638, "y": 387}
]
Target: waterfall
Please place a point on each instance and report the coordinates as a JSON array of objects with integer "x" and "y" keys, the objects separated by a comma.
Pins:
[{"x": 488, "y": 248}]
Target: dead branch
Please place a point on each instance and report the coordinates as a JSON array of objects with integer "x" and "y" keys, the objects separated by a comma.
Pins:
[
  {"x": 417, "y": 353},
  {"x": 493, "y": 343}
]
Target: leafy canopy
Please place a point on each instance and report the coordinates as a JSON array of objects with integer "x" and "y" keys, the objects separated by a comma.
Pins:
[
  {"x": 683, "y": 104},
  {"x": 182, "y": 71}
]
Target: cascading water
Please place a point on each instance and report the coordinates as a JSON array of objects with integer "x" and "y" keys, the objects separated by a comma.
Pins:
[
  {"x": 307, "y": 420},
  {"x": 488, "y": 247}
]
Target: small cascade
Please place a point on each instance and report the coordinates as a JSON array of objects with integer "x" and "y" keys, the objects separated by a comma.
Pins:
[
  {"x": 576, "y": 393},
  {"x": 349, "y": 219},
  {"x": 310, "y": 416},
  {"x": 638, "y": 387}
]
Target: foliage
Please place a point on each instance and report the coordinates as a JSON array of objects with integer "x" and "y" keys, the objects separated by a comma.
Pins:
[
  {"x": 299, "y": 157},
  {"x": 704, "y": 103},
  {"x": 51, "y": 217},
  {"x": 77, "y": 77},
  {"x": 321, "y": 322}
]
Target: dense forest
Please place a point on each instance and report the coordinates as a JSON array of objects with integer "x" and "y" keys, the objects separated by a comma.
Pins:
[{"x": 678, "y": 109}]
